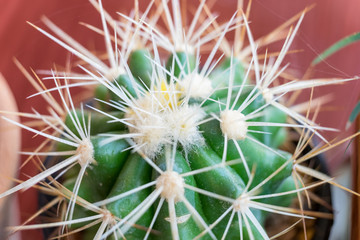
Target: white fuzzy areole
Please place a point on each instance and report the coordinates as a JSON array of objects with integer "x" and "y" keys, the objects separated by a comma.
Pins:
[
  {"x": 183, "y": 47},
  {"x": 196, "y": 86},
  {"x": 267, "y": 95},
  {"x": 172, "y": 185},
  {"x": 157, "y": 121},
  {"x": 114, "y": 73},
  {"x": 86, "y": 152},
  {"x": 183, "y": 123},
  {"x": 242, "y": 203},
  {"x": 233, "y": 124},
  {"x": 149, "y": 124},
  {"x": 108, "y": 216}
]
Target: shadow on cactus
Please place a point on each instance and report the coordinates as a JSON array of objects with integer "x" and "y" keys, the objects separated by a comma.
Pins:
[{"x": 188, "y": 146}]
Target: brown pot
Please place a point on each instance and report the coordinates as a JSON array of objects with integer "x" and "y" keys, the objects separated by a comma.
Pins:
[{"x": 355, "y": 215}]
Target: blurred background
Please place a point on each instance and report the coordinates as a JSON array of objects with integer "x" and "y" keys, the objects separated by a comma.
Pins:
[{"x": 326, "y": 23}]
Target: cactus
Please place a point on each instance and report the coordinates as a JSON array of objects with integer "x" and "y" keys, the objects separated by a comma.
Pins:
[{"x": 187, "y": 146}]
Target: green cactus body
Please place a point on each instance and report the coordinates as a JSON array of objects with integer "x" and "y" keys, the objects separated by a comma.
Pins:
[
  {"x": 183, "y": 63},
  {"x": 263, "y": 160},
  {"x": 201, "y": 148},
  {"x": 141, "y": 66},
  {"x": 135, "y": 166},
  {"x": 221, "y": 77},
  {"x": 188, "y": 229}
]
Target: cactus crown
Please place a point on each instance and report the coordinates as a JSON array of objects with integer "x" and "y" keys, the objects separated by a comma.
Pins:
[{"x": 190, "y": 148}]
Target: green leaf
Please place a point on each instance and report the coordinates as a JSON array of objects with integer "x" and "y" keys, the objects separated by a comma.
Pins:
[
  {"x": 355, "y": 112},
  {"x": 336, "y": 47}
]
